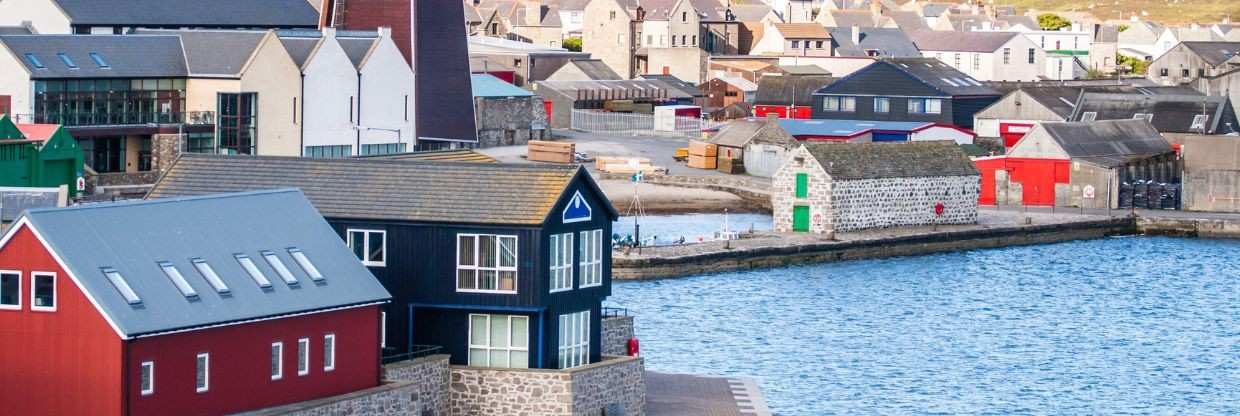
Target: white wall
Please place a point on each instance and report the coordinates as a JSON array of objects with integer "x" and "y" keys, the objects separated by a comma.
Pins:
[
  {"x": 1037, "y": 145},
  {"x": 387, "y": 87},
  {"x": 942, "y": 133},
  {"x": 990, "y": 66},
  {"x": 44, "y": 16},
  {"x": 331, "y": 82},
  {"x": 15, "y": 82}
]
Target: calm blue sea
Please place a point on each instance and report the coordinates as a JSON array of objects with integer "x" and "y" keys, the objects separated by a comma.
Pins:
[{"x": 1113, "y": 326}]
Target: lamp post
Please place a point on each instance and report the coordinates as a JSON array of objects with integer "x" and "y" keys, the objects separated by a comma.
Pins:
[{"x": 399, "y": 141}]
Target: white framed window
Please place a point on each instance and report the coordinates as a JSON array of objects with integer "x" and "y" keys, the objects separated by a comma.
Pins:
[
  {"x": 1089, "y": 116},
  {"x": 561, "y": 262},
  {"x": 277, "y": 360},
  {"x": 303, "y": 356},
  {"x": 383, "y": 329},
  {"x": 925, "y": 106},
  {"x": 370, "y": 246},
  {"x": 486, "y": 263},
  {"x": 839, "y": 103},
  {"x": 10, "y": 289},
  {"x": 202, "y": 377},
  {"x": 1199, "y": 122},
  {"x": 43, "y": 291},
  {"x": 146, "y": 378},
  {"x": 977, "y": 61},
  {"x": 329, "y": 352},
  {"x": 574, "y": 339},
  {"x": 499, "y": 341},
  {"x": 591, "y": 258},
  {"x": 882, "y": 105}
]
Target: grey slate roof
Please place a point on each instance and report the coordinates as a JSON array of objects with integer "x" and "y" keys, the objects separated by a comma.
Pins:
[
  {"x": 131, "y": 56},
  {"x": 1106, "y": 34},
  {"x": 401, "y": 190},
  {"x": 14, "y": 30},
  {"x": 1107, "y": 143},
  {"x": 676, "y": 83},
  {"x": 936, "y": 73},
  {"x": 132, "y": 237},
  {"x": 1172, "y": 113},
  {"x": 1216, "y": 53},
  {"x": 740, "y": 133},
  {"x": 889, "y": 42},
  {"x": 908, "y": 21},
  {"x": 595, "y": 69},
  {"x": 299, "y": 47},
  {"x": 215, "y": 52},
  {"x": 785, "y": 89},
  {"x": 192, "y": 13},
  {"x": 849, "y": 161},
  {"x": 357, "y": 48},
  {"x": 954, "y": 41}
]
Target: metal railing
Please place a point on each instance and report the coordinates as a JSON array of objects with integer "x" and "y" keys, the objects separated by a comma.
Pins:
[
  {"x": 612, "y": 312},
  {"x": 118, "y": 118},
  {"x": 595, "y": 121},
  {"x": 416, "y": 351}
]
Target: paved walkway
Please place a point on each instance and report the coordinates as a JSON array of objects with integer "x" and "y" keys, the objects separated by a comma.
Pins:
[{"x": 690, "y": 395}]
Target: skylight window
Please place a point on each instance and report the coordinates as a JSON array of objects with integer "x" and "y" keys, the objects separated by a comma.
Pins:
[
  {"x": 177, "y": 279},
  {"x": 305, "y": 264},
  {"x": 209, "y": 273},
  {"x": 1089, "y": 116},
  {"x": 122, "y": 286},
  {"x": 950, "y": 82},
  {"x": 68, "y": 62},
  {"x": 99, "y": 60},
  {"x": 252, "y": 269},
  {"x": 280, "y": 268},
  {"x": 34, "y": 60}
]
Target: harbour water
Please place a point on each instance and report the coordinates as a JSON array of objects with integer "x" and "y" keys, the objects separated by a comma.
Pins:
[{"x": 1114, "y": 326}]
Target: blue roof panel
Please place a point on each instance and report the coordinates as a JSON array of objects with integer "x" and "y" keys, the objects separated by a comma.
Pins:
[
  {"x": 822, "y": 127},
  {"x": 487, "y": 85}
]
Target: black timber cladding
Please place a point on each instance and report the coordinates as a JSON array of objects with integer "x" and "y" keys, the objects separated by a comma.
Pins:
[
  {"x": 899, "y": 79},
  {"x": 444, "y": 103}
]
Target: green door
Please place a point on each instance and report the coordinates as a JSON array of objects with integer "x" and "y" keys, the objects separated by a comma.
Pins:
[
  {"x": 800, "y": 218},
  {"x": 802, "y": 185}
]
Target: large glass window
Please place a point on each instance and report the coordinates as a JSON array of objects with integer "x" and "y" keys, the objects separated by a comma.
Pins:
[
  {"x": 925, "y": 106},
  {"x": 486, "y": 263},
  {"x": 882, "y": 105},
  {"x": 237, "y": 125},
  {"x": 839, "y": 103},
  {"x": 591, "y": 258},
  {"x": 10, "y": 290},
  {"x": 43, "y": 297},
  {"x": 561, "y": 262},
  {"x": 104, "y": 154},
  {"x": 370, "y": 246},
  {"x": 499, "y": 341},
  {"x": 80, "y": 102},
  {"x": 574, "y": 339},
  {"x": 382, "y": 149},
  {"x": 200, "y": 143},
  {"x": 329, "y": 151}
]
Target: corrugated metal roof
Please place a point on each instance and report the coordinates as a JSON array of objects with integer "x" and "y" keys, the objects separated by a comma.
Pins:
[
  {"x": 1107, "y": 143},
  {"x": 132, "y": 237},
  {"x": 848, "y": 161},
  {"x": 956, "y": 41},
  {"x": 487, "y": 85},
  {"x": 191, "y": 13},
  {"x": 403, "y": 190},
  {"x": 893, "y": 43},
  {"x": 132, "y": 56}
]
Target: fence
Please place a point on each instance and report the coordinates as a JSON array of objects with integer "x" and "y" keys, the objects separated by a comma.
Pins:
[{"x": 634, "y": 123}]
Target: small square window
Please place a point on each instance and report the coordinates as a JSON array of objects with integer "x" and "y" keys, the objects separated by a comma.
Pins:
[
  {"x": 10, "y": 289},
  {"x": 370, "y": 246},
  {"x": 43, "y": 292}
]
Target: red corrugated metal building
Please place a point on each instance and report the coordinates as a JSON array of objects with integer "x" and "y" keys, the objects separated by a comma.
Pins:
[{"x": 92, "y": 322}]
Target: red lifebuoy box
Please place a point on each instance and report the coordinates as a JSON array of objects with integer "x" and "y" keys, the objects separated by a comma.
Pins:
[{"x": 634, "y": 347}]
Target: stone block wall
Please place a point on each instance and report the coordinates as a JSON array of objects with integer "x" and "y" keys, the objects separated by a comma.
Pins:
[
  {"x": 894, "y": 202},
  {"x": 581, "y": 391},
  {"x": 510, "y": 121},
  {"x": 819, "y": 198},
  {"x": 396, "y": 398},
  {"x": 617, "y": 330},
  {"x": 429, "y": 377}
]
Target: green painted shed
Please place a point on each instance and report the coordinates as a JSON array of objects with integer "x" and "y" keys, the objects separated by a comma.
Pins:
[{"x": 39, "y": 155}]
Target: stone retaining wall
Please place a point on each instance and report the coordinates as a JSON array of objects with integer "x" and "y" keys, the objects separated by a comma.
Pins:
[
  {"x": 581, "y": 391},
  {"x": 617, "y": 330},
  {"x": 395, "y": 398},
  {"x": 1186, "y": 227},
  {"x": 429, "y": 381},
  {"x": 944, "y": 241},
  {"x": 752, "y": 190}
]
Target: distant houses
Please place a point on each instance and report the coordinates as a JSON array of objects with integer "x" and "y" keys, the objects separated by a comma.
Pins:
[{"x": 905, "y": 89}]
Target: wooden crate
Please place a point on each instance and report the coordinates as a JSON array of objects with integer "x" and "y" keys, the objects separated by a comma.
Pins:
[
  {"x": 703, "y": 149},
  {"x": 602, "y": 161},
  {"x": 703, "y": 162},
  {"x": 733, "y": 166},
  {"x": 554, "y": 152}
]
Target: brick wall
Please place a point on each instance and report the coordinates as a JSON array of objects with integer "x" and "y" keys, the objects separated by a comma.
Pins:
[
  {"x": 581, "y": 391},
  {"x": 617, "y": 330},
  {"x": 429, "y": 378}
]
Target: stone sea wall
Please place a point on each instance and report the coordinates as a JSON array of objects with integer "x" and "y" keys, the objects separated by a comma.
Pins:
[
  {"x": 615, "y": 383},
  {"x": 429, "y": 377},
  {"x": 617, "y": 330},
  {"x": 393, "y": 398}
]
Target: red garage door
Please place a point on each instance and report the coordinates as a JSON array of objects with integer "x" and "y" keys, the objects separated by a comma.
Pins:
[{"x": 1038, "y": 178}]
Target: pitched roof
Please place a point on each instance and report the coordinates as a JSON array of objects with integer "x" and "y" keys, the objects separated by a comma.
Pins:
[
  {"x": 300, "y": 45},
  {"x": 132, "y": 238},
  {"x": 935, "y": 9},
  {"x": 454, "y": 155},
  {"x": 1107, "y": 143},
  {"x": 808, "y": 69},
  {"x": 192, "y": 13},
  {"x": 633, "y": 87},
  {"x": 789, "y": 89},
  {"x": 940, "y": 76},
  {"x": 954, "y": 41},
  {"x": 752, "y": 12},
  {"x": 133, "y": 56},
  {"x": 1216, "y": 53},
  {"x": 487, "y": 85},
  {"x": 908, "y": 21},
  {"x": 595, "y": 69},
  {"x": 1171, "y": 113},
  {"x": 738, "y": 82},
  {"x": 40, "y": 132},
  {"x": 680, "y": 85},
  {"x": 802, "y": 30},
  {"x": 14, "y": 30},
  {"x": 850, "y": 18},
  {"x": 401, "y": 190},
  {"x": 740, "y": 133},
  {"x": 356, "y": 48},
  {"x": 1106, "y": 34},
  {"x": 888, "y": 42},
  {"x": 215, "y": 52},
  {"x": 849, "y": 128},
  {"x": 848, "y": 161}
]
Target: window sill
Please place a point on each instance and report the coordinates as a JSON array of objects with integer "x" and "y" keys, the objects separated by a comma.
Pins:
[
  {"x": 201, "y": 391},
  {"x": 491, "y": 292},
  {"x": 560, "y": 290},
  {"x": 590, "y": 286},
  {"x": 10, "y": 307},
  {"x": 42, "y": 309},
  {"x": 374, "y": 264}
]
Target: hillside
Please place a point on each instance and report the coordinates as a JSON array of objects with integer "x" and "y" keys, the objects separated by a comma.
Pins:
[{"x": 1170, "y": 12}]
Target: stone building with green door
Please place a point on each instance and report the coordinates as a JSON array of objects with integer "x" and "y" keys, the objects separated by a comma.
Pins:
[
  {"x": 39, "y": 155},
  {"x": 824, "y": 188}
]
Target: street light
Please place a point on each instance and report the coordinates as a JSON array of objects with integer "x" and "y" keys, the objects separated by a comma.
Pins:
[{"x": 359, "y": 128}]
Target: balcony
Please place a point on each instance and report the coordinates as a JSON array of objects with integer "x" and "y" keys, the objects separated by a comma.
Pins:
[{"x": 190, "y": 118}]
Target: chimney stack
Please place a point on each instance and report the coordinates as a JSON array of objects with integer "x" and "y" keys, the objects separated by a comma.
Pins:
[
  {"x": 329, "y": 32},
  {"x": 856, "y": 36},
  {"x": 384, "y": 32}
]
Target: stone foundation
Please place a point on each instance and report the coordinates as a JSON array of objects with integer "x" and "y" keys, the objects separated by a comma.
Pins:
[
  {"x": 614, "y": 383},
  {"x": 617, "y": 330},
  {"x": 398, "y": 398},
  {"x": 429, "y": 378}
]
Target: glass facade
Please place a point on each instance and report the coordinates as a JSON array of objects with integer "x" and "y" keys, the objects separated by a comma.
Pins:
[
  {"x": 104, "y": 154},
  {"x": 237, "y": 123},
  {"x": 85, "y": 102}
]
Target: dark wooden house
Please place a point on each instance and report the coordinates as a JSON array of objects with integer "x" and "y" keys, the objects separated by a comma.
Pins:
[
  {"x": 905, "y": 89},
  {"x": 502, "y": 265}
]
